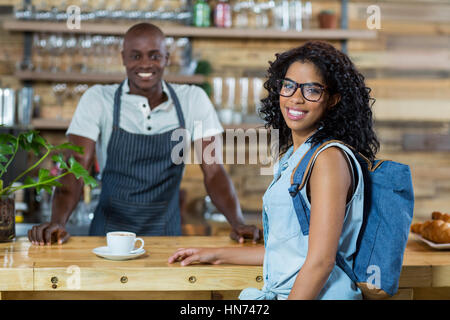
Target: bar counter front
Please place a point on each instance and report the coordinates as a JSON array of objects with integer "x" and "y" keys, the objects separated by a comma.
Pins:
[{"x": 73, "y": 271}]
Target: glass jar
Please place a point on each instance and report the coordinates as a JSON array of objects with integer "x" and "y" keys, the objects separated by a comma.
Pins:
[{"x": 7, "y": 218}]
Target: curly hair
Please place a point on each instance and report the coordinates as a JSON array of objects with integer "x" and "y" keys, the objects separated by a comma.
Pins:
[{"x": 350, "y": 120}]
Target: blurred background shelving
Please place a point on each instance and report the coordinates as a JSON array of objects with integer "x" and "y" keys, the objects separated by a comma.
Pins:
[{"x": 405, "y": 63}]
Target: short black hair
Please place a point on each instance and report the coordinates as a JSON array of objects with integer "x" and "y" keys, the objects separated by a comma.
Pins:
[{"x": 144, "y": 27}]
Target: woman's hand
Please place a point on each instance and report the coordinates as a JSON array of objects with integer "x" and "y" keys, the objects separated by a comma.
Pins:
[{"x": 191, "y": 255}]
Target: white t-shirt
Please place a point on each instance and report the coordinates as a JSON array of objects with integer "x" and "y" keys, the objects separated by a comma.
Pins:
[{"x": 93, "y": 117}]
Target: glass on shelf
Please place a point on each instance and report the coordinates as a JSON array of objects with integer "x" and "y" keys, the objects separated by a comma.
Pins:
[
  {"x": 253, "y": 12},
  {"x": 98, "y": 54},
  {"x": 87, "y": 10},
  {"x": 60, "y": 11},
  {"x": 217, "y": 92},
  {"x": 110, "y": 50},
  {"x": 296, "y": 15},
  {"x": 258, "y": 86},
  {"x": 101, "y": 10},
  {"x": 23, "y": 10},
  {"x": 51, "y": 10},
  {"x": 39, "y": 51},
  {"x": 166, "y": 11},
  {"x": 307, "y": 15},
  {"x": 265, "y": 18},
  {"x": 179, "y": 59},
  {"x": 240, "y": 14},
  {"x": 60, "y": 92},
  {"x": 75, "y": 92},
  {"x": 78, "y": 90},
  {"x": 69, "y": 52},
  {"x": 183, "y": 12},
  {"x": 56, "y": 43},
  {"x": 226, "y": 113},
  {"x": 132, "y": 11},
  {"x": 281, "y": 15},
  {"x": 149, "y": 10},
  {"x": 85, "y": 43},
  {"x": 42, "y": 11},
  {"x": 242, "y": 113}
]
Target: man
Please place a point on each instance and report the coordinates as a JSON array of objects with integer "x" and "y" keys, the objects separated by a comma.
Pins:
[{"x": 131, "y": 126}]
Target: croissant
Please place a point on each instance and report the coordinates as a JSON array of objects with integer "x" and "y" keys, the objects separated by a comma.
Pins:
[
  {"x": 436, "y": 215},
  {"x": 417, "y": 227},
  {"x": 436, "y": 230}
]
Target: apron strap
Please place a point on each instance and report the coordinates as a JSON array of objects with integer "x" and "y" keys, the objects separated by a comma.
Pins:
[
  {"x": 117, "y": 103},
  {"x": 174, "y": 97}
]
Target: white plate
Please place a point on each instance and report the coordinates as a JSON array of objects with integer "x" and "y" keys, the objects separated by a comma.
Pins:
[
  {"x": 434, "y": 245},
  {"x": 104, "y": 253}
]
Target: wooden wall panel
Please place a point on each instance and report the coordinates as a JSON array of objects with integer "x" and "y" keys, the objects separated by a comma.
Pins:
[{"x": 406, "y": 67}]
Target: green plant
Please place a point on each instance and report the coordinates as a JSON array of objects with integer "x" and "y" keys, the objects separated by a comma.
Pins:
[
  {"x": 203, "y": 67},
  {"x": 32, "y": 141},
  {"x": 327, "y": 11}
]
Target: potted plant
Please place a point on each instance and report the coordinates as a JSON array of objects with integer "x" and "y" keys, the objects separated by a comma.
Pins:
[
  {"x": 32, "y": 141},
  {"x": 327, "y": 19}
]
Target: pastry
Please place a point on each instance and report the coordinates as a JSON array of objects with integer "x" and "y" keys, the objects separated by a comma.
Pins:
[
  {"x": 437, "y": 231},
  {"x": 417, "y": 227},
  {"x": 436, "y": 215}
]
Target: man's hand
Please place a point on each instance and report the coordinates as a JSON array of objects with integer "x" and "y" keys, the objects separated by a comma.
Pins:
[
  {"x": 243, "y": 231},
  {"x": 48, "y": 233},
  {"x": 221, "y": 191}
]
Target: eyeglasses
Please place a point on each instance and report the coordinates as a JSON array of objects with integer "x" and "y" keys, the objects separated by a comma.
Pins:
[{"x": 310, "y": 91}]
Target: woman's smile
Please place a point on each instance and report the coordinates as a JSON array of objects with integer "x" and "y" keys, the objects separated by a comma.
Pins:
[{"x": 295, "y": 114}]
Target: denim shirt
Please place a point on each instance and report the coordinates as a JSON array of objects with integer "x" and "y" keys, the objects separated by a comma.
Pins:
[{"x": 285, "y": 245}]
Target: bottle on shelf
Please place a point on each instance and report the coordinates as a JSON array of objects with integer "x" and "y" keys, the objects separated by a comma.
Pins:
[
  {"x": 202, "y": 14},
  {"x": 222, "y": 14}
]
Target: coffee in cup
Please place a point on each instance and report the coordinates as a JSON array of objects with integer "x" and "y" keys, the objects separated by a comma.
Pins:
[{"x": 123, "y": 242}]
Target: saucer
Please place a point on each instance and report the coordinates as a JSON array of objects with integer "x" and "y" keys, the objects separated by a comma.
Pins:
[
  {"x": 434, "y": 245},
  {"x": 105, "y": 253}
]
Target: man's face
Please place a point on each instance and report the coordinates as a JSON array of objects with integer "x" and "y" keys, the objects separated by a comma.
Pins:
[{"x": 144, "y": 56}]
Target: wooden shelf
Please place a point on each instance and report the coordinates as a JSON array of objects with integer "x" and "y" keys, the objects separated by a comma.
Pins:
[
  {"x": 50, "y": 124},
  {"x": 63, "y": 124},
  {"x": 244, "y": 126},
  {"x": 98, "y": 77},
  {"x": 188, "y": 31}
]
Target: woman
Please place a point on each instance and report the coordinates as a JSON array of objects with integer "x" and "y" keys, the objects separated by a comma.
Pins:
[{"x": 315, "y": 94}]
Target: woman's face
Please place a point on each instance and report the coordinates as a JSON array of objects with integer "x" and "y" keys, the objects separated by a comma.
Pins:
[{"x": 303, "y": 116}]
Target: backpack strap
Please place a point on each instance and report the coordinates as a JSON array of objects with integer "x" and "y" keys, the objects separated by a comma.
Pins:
[
  {"x": 298, "y": 180},
  {"x": 301, "y": 171}
]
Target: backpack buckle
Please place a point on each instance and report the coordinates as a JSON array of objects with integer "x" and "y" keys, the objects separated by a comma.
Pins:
[{"x": 293, "y": 190}]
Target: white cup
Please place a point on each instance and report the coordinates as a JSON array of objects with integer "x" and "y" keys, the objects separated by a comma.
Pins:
[{"x": 122, "y": 242}]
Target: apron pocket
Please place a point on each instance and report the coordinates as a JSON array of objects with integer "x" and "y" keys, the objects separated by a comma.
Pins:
[{"x": 145, "y": 219}]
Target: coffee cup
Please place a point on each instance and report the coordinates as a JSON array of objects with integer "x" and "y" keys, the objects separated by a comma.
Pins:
[{"x": 123, "y": 242}]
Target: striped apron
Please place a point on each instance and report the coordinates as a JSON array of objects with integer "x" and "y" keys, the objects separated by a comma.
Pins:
[{"x": 140, "y": 182}]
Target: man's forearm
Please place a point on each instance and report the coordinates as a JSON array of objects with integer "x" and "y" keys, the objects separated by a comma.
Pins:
[
  {"x": 221, "y": 191},
  {"x": 65, "y": 199}
]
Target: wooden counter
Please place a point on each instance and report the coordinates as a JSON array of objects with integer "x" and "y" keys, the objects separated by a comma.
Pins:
[{"x": 72, "y": 271}]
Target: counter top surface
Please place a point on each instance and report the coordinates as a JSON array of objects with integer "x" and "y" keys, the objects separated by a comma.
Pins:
[
  {"x": 24, "y": 266},
  {"x": 79, "y": 250}
]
